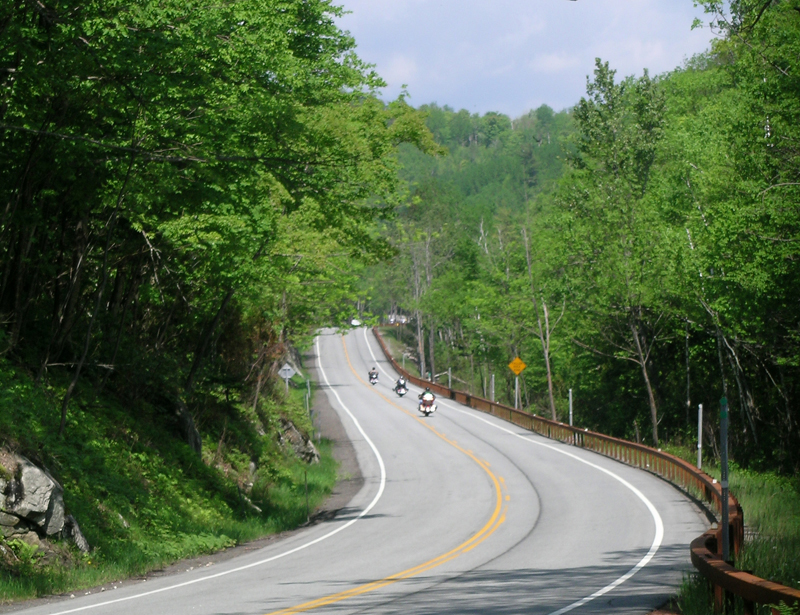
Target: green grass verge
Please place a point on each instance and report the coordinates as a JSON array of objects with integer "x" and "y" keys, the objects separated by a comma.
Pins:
[
  {"x": 771, "y": 505},
  {"x": 142, "y": 497},
  {"x": 391, "y": 337}
]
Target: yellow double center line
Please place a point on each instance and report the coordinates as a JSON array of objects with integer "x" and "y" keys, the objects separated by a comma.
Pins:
[{"x": 498, "y": 517}]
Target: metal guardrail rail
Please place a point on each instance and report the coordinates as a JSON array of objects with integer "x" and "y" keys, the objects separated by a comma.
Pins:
[{"x": 706, "y": 550}]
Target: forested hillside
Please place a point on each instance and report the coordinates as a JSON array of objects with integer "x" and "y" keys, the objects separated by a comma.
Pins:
[
  {"x": 186, "y": 192},
  {"x": 640, "y": 248}
]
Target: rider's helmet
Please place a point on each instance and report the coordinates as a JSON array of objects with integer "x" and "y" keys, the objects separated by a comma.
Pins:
[{"x": 427, "y": 389}]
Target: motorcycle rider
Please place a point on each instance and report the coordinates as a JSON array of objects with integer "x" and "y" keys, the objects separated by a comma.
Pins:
[
  {"x": 426, "y": 396},
  {"x": 373, "y": 374},
  {"x": 400, "y": 384}
]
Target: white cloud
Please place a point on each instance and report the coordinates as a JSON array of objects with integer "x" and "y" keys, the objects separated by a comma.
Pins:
[
  {"x": 399, "y": 70},
  {"x": 553, "y": 62},
  {"x": 503, "y": 54}
]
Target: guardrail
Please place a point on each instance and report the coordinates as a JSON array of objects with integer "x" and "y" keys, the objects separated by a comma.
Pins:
[{"x": 706, "y": 550}]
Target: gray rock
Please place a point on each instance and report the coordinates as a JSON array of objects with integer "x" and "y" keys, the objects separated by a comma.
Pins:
[
  {"x": 54, "y": 520},
  {"x": 32, "y": 495},
  {"x": 33, "y": 499},
  {"x": 303, "y": 446},
  {"x": 6, "y": 519},
  {"x": 40, "y": 499},
  {"x": 72, "y": 532},
  {"x": 11, "y": 525}
]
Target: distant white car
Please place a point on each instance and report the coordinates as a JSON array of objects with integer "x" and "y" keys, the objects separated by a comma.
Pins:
[{"x": 355, "y": 322}]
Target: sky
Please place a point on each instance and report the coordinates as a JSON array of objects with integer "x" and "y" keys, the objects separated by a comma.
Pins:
[{"x": 515, "y": 55}]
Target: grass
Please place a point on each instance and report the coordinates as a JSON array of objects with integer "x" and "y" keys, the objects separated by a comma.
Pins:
[
  {"x": 142, "y": 497},
  {"x": 771, "y": 505},
  {"x": 772, "y": 509},
  {"x": 391, "y": 336}
]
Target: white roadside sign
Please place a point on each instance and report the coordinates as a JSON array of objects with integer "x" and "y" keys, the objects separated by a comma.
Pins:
[{"x": 286, "y": 372}]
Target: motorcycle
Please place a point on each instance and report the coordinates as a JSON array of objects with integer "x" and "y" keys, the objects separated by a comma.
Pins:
[
  {"x": 427, "y": 405},
  {"x": 401, "y": 390},
  {"x": 373, "y": 379}
]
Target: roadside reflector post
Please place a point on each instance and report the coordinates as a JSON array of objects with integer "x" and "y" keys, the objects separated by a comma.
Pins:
[
  {"x": 723, "y": 433},
  {"x": 699, "y": 436},
  {"x": 492, "y": 388}
]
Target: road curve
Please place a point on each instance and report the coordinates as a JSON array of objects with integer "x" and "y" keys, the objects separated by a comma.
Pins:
[{"x": 458, "y": 513}]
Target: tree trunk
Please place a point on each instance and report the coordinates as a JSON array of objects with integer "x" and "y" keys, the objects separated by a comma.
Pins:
[
  {"x": 203, "y": 342},
  {"x": 688, "y": 378},
  {"x": 721, "y": 363},
  {"x": 420, "y": 344},
  {"x": 110, "y": 226},
  {"x": 547, "y": 360},
  {"x": 650, "y": 396},
  {"x": 544, "y": 338},
  {"x": 26, "y": 241},
  {"x": 745, "y": 396},
  {"x": 87, "y": 340},
  {"x": 431, "y": 350}
]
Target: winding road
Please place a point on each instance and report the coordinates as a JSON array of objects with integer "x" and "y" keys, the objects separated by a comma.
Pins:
[{"x": 457, "y": 513}]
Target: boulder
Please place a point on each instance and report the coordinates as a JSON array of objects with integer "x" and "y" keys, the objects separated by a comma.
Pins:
[
  {"x": 32, "y": 495},
  {"x": 32, "y": 509},
  {"x": 11, "y": 525}
]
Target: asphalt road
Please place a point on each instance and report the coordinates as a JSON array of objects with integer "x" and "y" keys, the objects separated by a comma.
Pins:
[{"x": 457, "y": 513}]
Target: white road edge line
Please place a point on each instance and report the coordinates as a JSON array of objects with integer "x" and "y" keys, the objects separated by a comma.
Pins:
[
  {"x": 280, "y": 555},
  {"x": 657, "y": 539}
]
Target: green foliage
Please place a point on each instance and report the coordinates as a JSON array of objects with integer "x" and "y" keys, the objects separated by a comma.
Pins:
[
  {"x": 784, "y": 609},
  {"x": 188, "y": 190},
  {"x": 640, "y": 249},
  {"x": 772, "y": 509},
  {"x": 27, "y": 556},
  {"x": 142, "y": 498}
]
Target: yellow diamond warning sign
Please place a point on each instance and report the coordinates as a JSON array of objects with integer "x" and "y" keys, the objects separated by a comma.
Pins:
[{"x": 517, "y": 365}]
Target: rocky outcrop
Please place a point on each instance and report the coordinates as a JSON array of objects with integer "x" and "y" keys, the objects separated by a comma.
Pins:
[
  {"x": 32, "y": 503},
  {"x": 72, "y": 532},
  {"x": 302, "y": 445}
]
